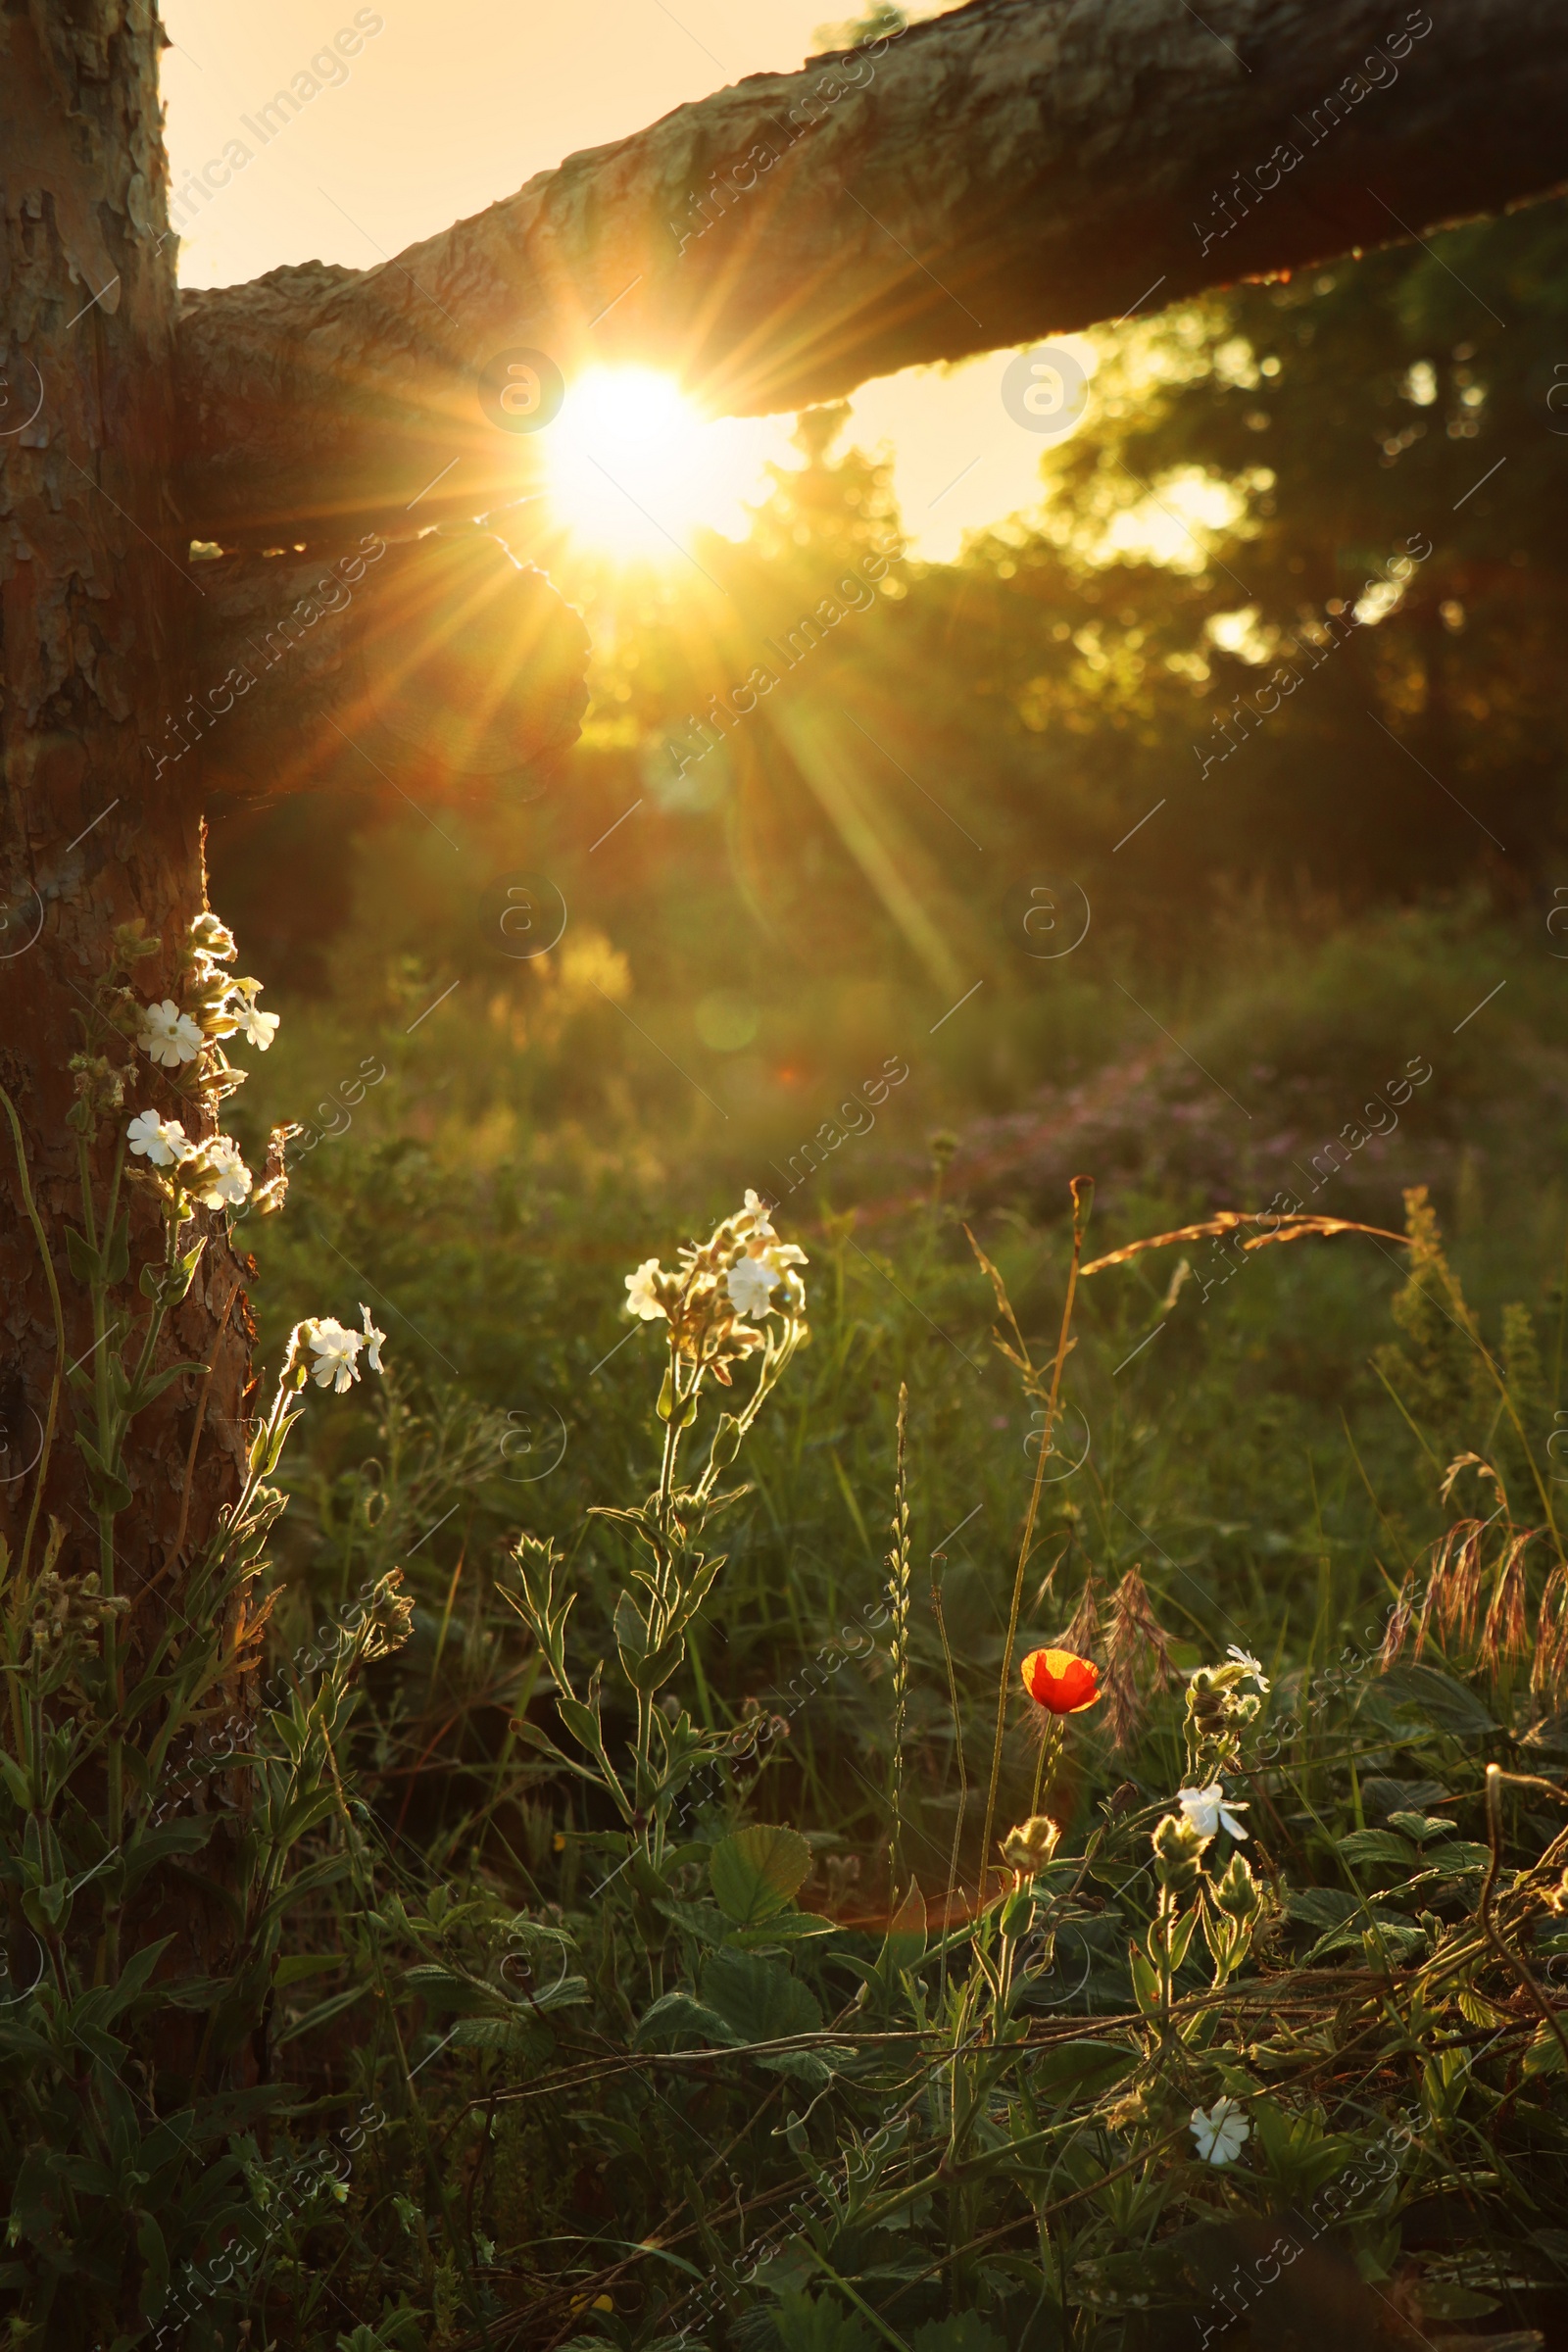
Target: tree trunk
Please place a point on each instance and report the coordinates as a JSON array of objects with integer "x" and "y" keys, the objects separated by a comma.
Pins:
[
  {"x": 1015, "y": 168},
  {"x": 97, "y": 606}
]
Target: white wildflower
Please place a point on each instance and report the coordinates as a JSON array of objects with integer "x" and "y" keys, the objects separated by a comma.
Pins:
[
  {"x": 374, "y": 1341},
  {"x": 257, "y": 1028},
  {"x": 641, "y": 1298},
  {"x": 1205, "y": 1810},
  {"x": 783, "y": 1257},
  {"x": 339, "y": 1352},
  {"x": 169, "y": 1035},
  {"x": 219, "y": 1176},
  {"x": 751, "y": 1282},
  {"x": 1222, "y": 2134},
  {"x": 1244, "y": 1657},
  {"x": 163, "y": 1142},
  {"x": 759, "y": 1216}
]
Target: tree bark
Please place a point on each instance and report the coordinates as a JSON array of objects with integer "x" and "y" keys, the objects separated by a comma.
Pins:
[
  {"x": 97, "y": 607},
  {"x": 1017, "y": 169}
]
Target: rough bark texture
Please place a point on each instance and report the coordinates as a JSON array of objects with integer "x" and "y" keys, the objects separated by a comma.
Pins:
[
  {"x": 439, "y": 667},
  {"x": 96, "y": 607},
  {"x": 1015, "y": 168}
]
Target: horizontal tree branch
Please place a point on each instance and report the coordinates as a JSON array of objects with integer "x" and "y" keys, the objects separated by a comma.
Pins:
[{"x": 1015, "y": 168}]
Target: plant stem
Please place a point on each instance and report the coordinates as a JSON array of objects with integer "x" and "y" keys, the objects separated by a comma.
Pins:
[
  {"x": 1080, "y": 1219},
  {"x": 58, "y": 1382}
]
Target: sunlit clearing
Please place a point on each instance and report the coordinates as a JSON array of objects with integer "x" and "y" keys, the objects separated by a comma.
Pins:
[{"x": 635, "y": 466}]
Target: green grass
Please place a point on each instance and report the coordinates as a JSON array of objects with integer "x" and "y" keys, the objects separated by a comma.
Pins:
[{"x": 1268, "y": 1460}]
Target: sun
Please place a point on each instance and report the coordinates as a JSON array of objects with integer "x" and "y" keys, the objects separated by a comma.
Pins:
[{"x": 634, "y": 467}]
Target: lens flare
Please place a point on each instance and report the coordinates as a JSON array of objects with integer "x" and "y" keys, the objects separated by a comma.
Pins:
[{"x": 635, "y": 466}]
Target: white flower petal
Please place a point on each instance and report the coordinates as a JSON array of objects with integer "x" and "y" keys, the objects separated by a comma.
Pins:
[
  {"x": 160, "y": 1140},
  {"x": 640, "y": 1296},
  {"x": 751, "y": 1283},
  {"x": 374, "y": 1340}
]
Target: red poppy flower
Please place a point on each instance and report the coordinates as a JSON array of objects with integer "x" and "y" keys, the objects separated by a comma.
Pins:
[{"x": 1060, "y": 1682}]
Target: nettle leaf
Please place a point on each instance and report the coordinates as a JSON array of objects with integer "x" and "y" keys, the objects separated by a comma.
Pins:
[
  {"x": 758, "y": 2000},
  {"x": 1448, "y": 1703},
  {"x": 963, "y": 2333},
  {"x": 1321, "y": 1906},
  {"x": 1375, "y": 1846},
  {"x": 1396, "y": 1937},
  {"x": 803, "y": 2322},
  {"x": 787, "y": 1927},
  {"x": 1545, "y": 2055},
  {"x": 440, "y": 1988},
  {"x": 1460, "y": 1857},
  {"x": 677, "y": 2014},
  {"x": 526, "y": 2038},
  {"x": 755, "y": 1872},
  {"x": 1422, "y": 1827}
]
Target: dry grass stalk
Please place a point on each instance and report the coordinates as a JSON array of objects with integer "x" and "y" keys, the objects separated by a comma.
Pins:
[
  {"x": 1505, "y": 1634},
  {"x": 1549, "y": 1672},
  {"x": 1286, "y": 1227},
  {"x": 1135, "y": 1632},
  {"x": 1397, "y": 1630},
  {"x": 1453, "y": 1589},
  {"x": 1082, "y": 1636}
]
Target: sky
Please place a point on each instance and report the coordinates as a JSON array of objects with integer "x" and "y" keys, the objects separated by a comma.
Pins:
[{"x": 453, "y": 104}]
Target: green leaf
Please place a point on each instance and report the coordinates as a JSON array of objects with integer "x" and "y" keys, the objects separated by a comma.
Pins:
[
  {"x": 631, "y": 1633},
  {"x": 1181, "y": 1936},
  {"x": 85, "y": 1261},
  {"x": 1545, "y": 2055},
  {"x": 581, "y": 1722},
  {"x": 1374, "y": 1847},
  {"x": 1460, "y": 1857},
  {"x": 155, "y": 2274},
  {"x": 110, "y": 1491},
  {"x": 1321, "y": 1906},
  {"x": 117, "y": 1253},
  {"x": 1145, "y": 1981},
  {"x": 1422, "y": 1827},
  {"x": 755, "y": 1872},
  {"x": 1080, "y": 2071},
  {"x": 789, "y": 1927},
  {"x": 157, "y": 1382},
  {"x": 1448, "y": 1703},
  {"x": 903, "y": 1945},
  {"x": 816, "y": 2323},
  {"x": 966, "y": 2332},
  {"x": 677, "y": 2014},
  {"x": 299, "y": 1965},
  {"x": 726, "y": 1441},
  {"x": 440, "y": 1988},
  {"x": 758, "y": 2000}
]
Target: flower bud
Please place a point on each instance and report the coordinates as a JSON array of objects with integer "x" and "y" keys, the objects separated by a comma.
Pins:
[
  {"x": 1237, "y": 1893},
  {"x": 1030, "y": 1845},
  {"x": 1178, "y": 1846}
]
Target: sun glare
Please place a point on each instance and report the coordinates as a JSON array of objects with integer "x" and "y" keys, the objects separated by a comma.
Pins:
[{"x": 634, "y": 465}]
